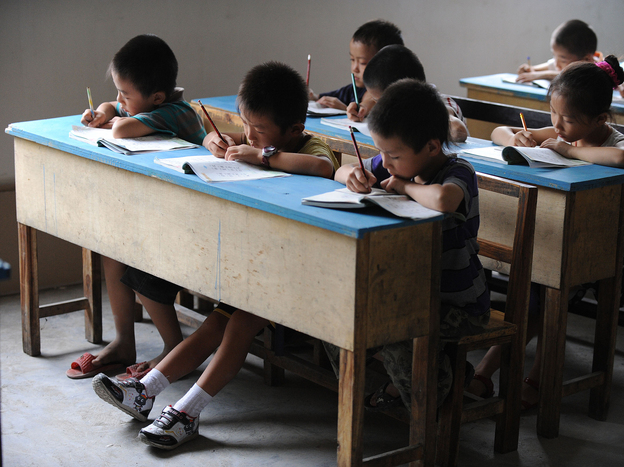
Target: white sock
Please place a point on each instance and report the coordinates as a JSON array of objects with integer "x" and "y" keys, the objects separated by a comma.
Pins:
[
  {"x": 155, "y": 382},
  {"x": 193, "y": 401}
]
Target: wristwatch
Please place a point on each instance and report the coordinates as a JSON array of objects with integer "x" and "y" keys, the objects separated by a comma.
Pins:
[{"x": 267, "y": 152}]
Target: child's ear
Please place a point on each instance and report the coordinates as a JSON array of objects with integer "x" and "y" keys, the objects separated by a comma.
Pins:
[
  {"x": 158, "y": 97},
  {"x": 297, "y": 129},
  {"x": 434, "y": 147}
]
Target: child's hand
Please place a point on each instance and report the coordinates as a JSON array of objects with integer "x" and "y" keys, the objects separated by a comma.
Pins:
[
  {"x": 312, "y": 96},
  {"x": 356, "y": 115},
  {"x": 526, "y": 77},
  {"x": 524, "y": 68},
  {"x": 524, "y": 139},
  {"x": 332, "y": 102},
  {"x": 215, "y": 145},
  {"x": 98, "y": 122},
  {"x": 360, "y": 182},
  {"x": 245, "y": 153},
  {"x": 557, "y": 146},
  {"x": 395, "y": 185}
]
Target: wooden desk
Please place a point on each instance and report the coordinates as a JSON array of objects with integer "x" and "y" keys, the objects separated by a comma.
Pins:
[
  {"x": 356, "y": 280},
  {"x": 492, "y": 88},
  {"x": 578, "y": 239}
]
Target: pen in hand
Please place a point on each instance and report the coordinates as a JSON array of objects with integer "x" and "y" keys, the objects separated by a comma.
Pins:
[
  {"x": 357, "y": 153},
  {"x": 212, "y": 123},
  {"x": 90, "y": 102},
  {"x": 357, "y": 101},
  {"x": 523, "y": 122}
]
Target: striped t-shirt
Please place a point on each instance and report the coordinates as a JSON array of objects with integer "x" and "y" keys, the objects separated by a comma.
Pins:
[{"x": 462, "y": 283}]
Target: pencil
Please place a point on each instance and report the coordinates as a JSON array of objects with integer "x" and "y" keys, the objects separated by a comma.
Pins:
[
  {"x": 523, "y": 122},
  {"x": 357, "y": 150},
  {"x": 308, "y": 73},
  {"x": 90, "y": 101},
  {"x": 211, "y": 122},
  {"x": 357, "y": 101},
  {"x": 529, "y": 61}
]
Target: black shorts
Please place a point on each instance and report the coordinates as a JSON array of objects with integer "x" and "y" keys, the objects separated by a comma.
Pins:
[{"x": 150, "y": 286}]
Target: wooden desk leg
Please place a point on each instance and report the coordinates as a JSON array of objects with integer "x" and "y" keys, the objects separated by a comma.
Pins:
[
  {"x": 92, "y": 286},
  {"x": 423, "y": 426},
  {"x": 351, "y": 407},
  {"x": 555, "y": 312},
  {"x": 29, "y": 289}
]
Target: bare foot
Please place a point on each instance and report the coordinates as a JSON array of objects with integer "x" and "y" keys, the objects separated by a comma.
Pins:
[
  {"x": 116, "y": 352},
  {"x": 530, "y": 396},
  {"x": 390, "y": 389}
]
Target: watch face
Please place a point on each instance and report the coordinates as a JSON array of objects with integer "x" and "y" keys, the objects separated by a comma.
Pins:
[{"x": 268, "y": 151}]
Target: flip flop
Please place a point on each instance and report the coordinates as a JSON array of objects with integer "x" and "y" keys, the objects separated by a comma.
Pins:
[
  {"x": 133, "y": 372},
  {"x": 526, "y": 405},
  {"x": 383, "y": 400},
  {"x": 83, "y": 367}
]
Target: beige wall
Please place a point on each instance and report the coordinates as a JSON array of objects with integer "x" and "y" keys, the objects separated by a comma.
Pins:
[{"x": 50, "y": 51}]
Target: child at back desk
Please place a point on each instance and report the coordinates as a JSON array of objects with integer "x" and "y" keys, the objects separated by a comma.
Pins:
[
  {"x": 409, "y": 126},
  {"x": 144, "y": 72},
  {"x": 365, "y": 43},
  {"x": 273, "y": 103},
  {"x": 391, "y": 64},
  {"x": 572, "y": 41},
  {"x": 580, "y": 98}
]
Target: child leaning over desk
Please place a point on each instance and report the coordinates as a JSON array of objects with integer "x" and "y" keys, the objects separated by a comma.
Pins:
[
  {"x": 572, "y": 41},
  {"x": 580, "y": 101},
  {"x": 367, "y": 40},
  {"x": 409, "y": 126},
  {"x": 390, "y": 64},
  {"x": 144, "y": 71},
  {"x": 273, "y": 102}
]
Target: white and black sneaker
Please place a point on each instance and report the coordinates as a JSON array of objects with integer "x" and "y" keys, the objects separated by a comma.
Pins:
[
  {"x": 170, "y": 430},
  {"x": 128, "y": 395}
]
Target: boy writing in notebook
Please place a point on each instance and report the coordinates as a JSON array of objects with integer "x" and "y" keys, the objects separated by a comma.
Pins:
[
  {"x": 273, "y": 102},
  {"x": 144, "y": 71},
  {"x": 365, "y": 43},
  {"x": 572, "y": 41},
  {"x": 390, "y": 64},
  {"x": 409, "y": 126}
]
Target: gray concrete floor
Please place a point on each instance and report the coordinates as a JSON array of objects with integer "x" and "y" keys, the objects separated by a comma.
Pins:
[{"x": 49, "y": 420}]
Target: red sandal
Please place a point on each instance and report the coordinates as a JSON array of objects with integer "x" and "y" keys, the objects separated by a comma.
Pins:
[{"x": 526, "y": 405}]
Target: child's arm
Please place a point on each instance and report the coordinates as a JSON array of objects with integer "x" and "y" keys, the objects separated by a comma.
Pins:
[
  {"x": 529, "y": 76},
  {"x": 297, "y": 163},
  {"x": 103, "y": 114},
  {"x": 130, "y": 127},
  {"x": 332, "y": 102},
  {"x": 443, "y": 198},
  {"x": 352, "y": 176},
  {"x": 457, "y": 129},
  {"x": 514, "y": 136},
  {"x": 365, "y": 107},
  {"x": 610, "y": 156},
  {"x": 217, "y": 147}
]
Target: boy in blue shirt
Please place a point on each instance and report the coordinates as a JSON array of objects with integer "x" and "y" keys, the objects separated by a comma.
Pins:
[
  {"x": 273, "y": 103},
  {"x": 144, "y": 71},
  {"x": 365, "y": 43},
  {"x": 409, "y": 126}
]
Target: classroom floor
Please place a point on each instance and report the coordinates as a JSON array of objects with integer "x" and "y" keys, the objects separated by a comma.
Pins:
[{"x": 49, "y": 420}]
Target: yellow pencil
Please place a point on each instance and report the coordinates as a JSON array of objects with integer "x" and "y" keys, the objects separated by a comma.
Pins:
[
  {"x": 90, "y": 101},
  {"x": 523, "y": 122}
]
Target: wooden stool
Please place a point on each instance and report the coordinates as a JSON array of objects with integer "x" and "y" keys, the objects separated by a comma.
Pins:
[{"x": 508, "y": 329}]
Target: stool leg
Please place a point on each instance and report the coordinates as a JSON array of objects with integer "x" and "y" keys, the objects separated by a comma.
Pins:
[
  {"x": 350, "y": 407},
  {"x": 92, "y": 286},
  {"x": 273, "y": 375},
  {"x": 29, "y": 289}
]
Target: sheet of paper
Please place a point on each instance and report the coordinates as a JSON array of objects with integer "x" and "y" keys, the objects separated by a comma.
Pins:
[
  {"x": 177, "y": 163},
  {"x": 153, "y": 142},
  {"x": 214, "y": 169},
  {"x": 549, "y": 157},
  {"x": 404, "y": 206},
  {"x": 344, "y": 123},
  {"x": 488, "y": 152},
  {"x": 315, "y": 109}
]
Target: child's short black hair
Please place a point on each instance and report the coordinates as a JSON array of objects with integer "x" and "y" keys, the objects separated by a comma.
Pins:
[
  {"x": 378, "y": 34},
  {"x": 412, "y": 111},
  {"x": 391, "y": 64},
  {"x": 587, "y": 88},
  {"x": 148, "y": 63},
  {"x": 577, "y": 37},
  {"x": 276, "y": 90}
]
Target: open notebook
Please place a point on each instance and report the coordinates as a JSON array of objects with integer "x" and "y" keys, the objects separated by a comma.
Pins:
[
  {"x": 533, "y": 157},
  {"x": 343, "y": 198},
  {"x": 128, "y": 146}
]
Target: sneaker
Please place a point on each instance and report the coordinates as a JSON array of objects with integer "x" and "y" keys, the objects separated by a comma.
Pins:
[
  {"x": 170, "y": 430},
  {"x": 128, "y": 395}
]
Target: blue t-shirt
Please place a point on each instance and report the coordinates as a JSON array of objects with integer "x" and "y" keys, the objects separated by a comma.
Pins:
[
  {"x": 345, "y": 94},
  {"x": 463, "y": 283}
]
